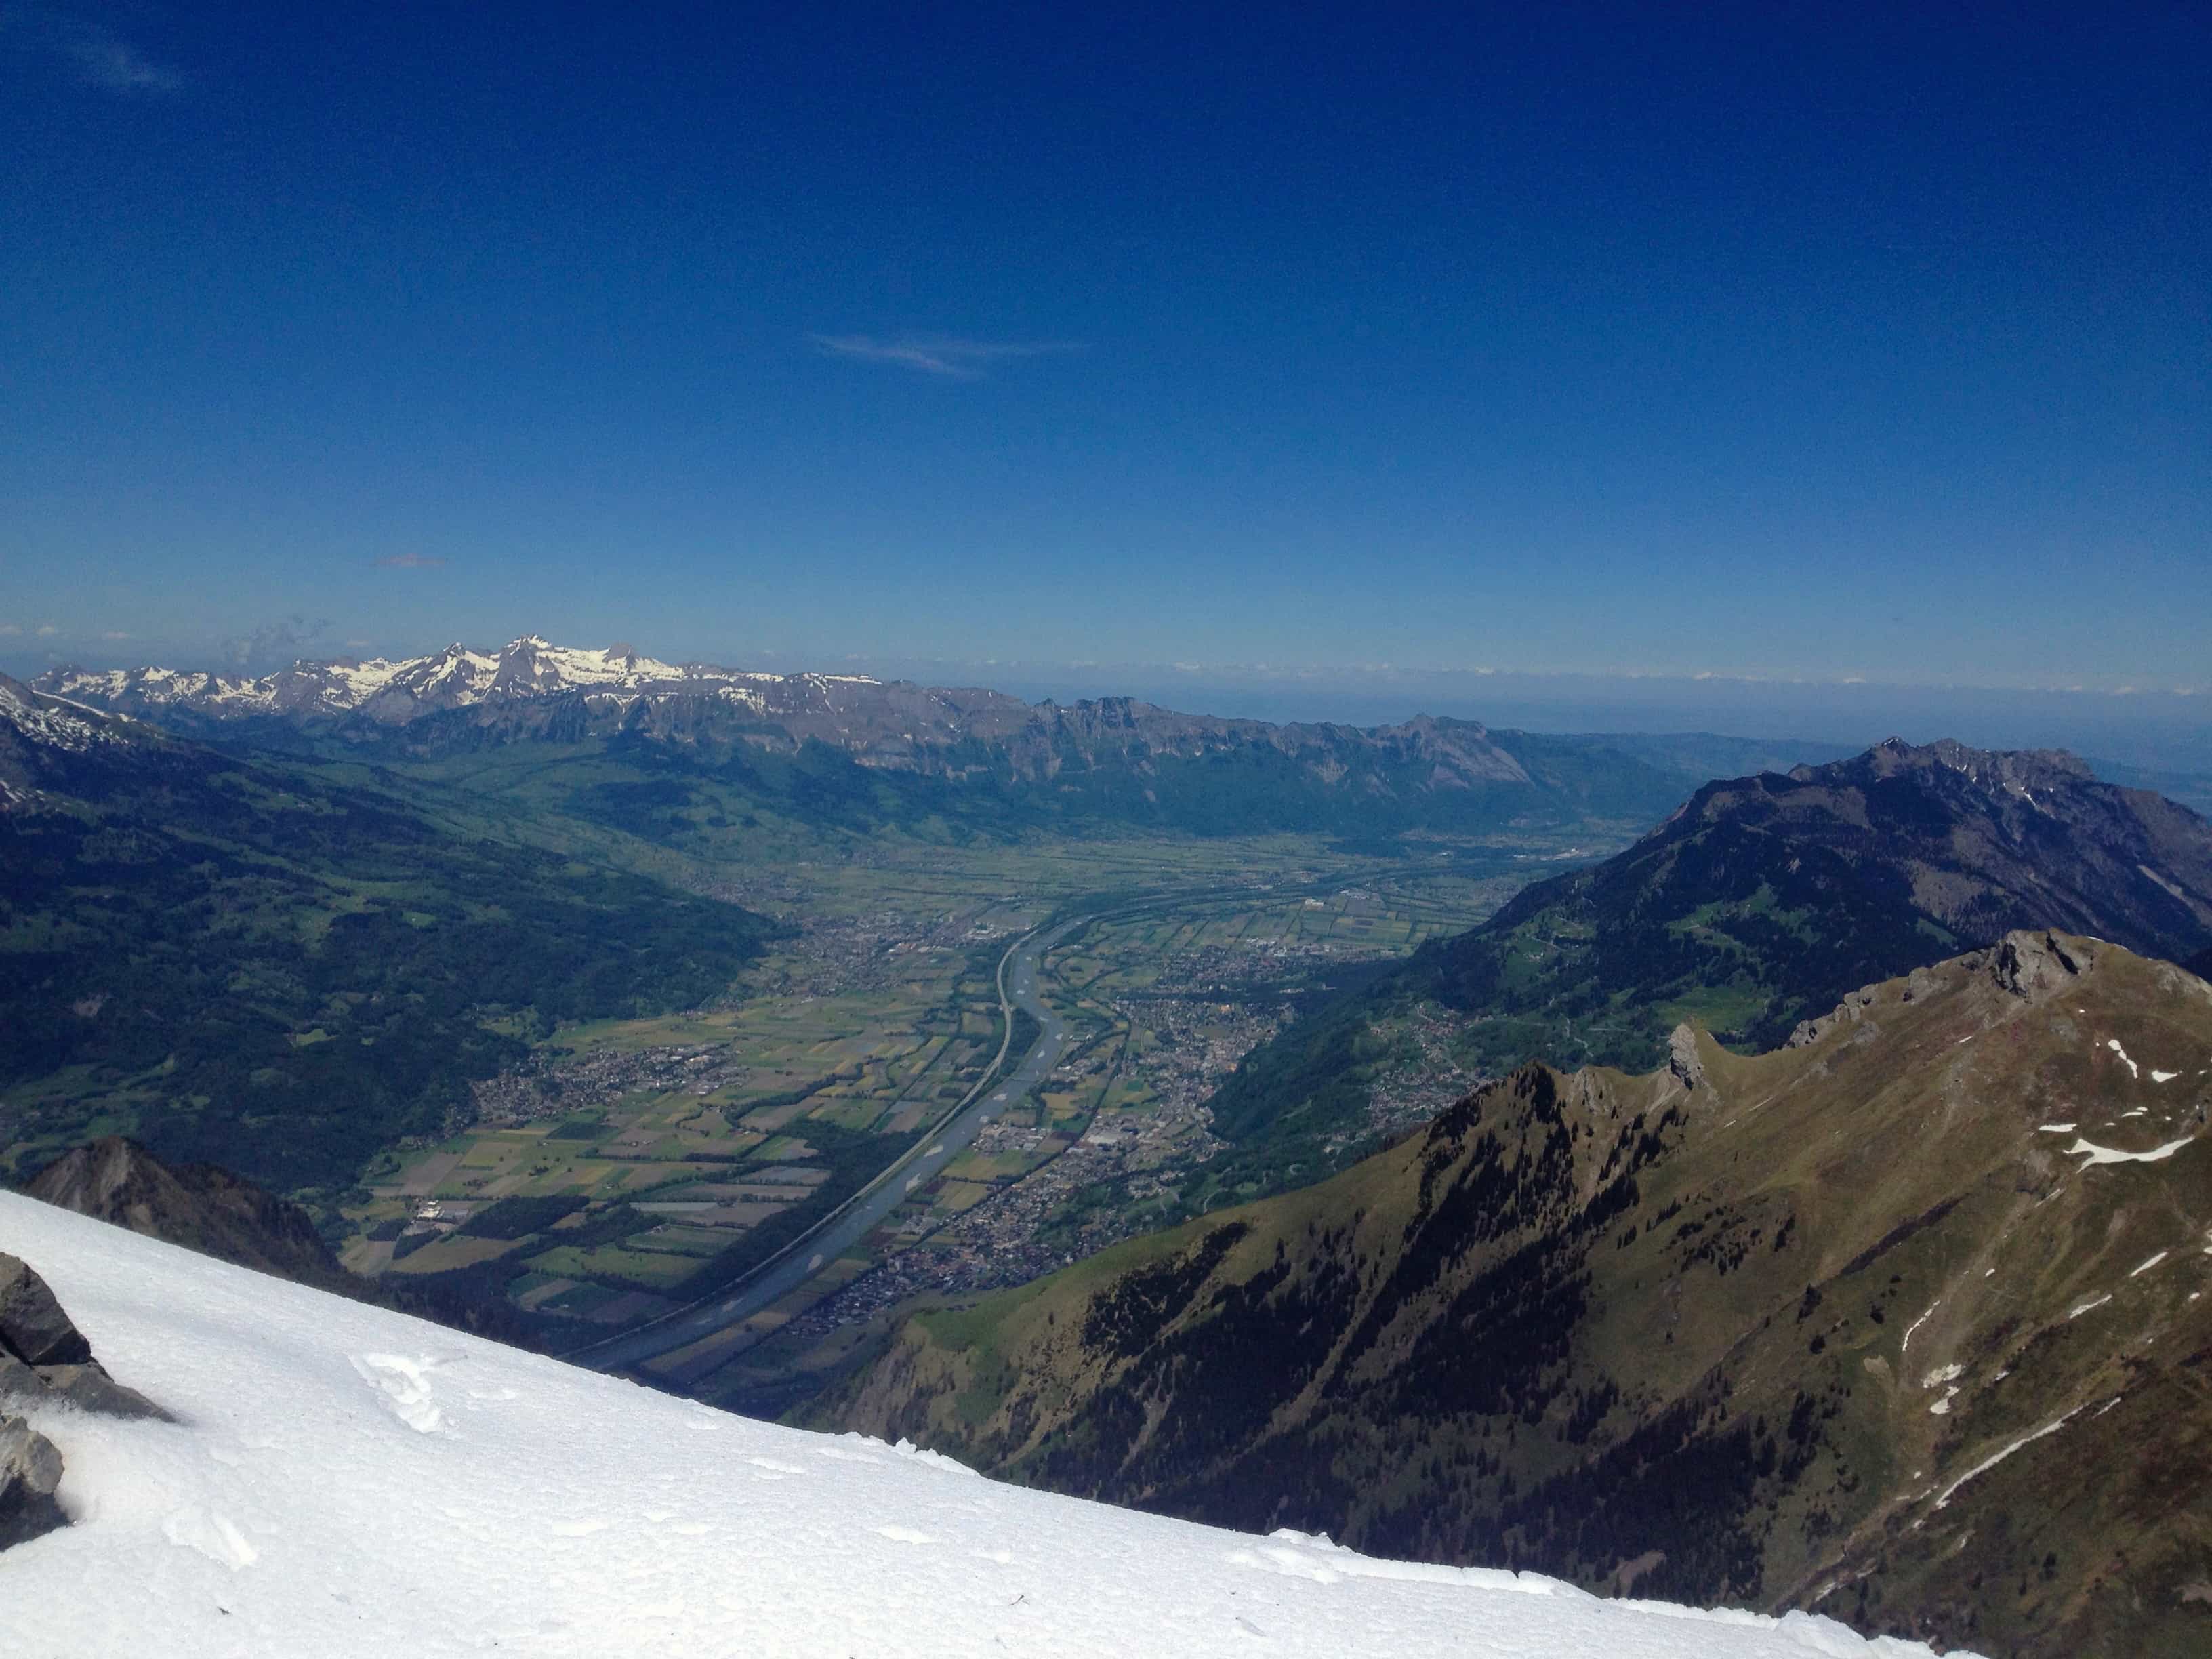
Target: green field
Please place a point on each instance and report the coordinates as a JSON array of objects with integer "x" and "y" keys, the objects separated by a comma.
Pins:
[{"x": 864, "y": 1027}]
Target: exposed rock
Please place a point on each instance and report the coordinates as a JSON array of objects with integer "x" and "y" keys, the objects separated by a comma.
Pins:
[
  {"x": 30, "y": 1471},
  {"x": 45, "y": 1358},
  {"x": 32, "y": 1326},
  {"x": 1682, "y": 1058},
  {"x": 1851, "y": 1011},
  {"x": 202, "y": 1207},
  {"x": 90, "y": 1388},
  {"x": 2032, "y": 965}
]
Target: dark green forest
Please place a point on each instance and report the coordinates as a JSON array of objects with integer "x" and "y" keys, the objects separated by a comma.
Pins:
[{"x": 241, "y": 962}]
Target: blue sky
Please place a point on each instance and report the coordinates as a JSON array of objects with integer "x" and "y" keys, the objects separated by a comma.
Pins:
[{"x": 1817, "y": 341}]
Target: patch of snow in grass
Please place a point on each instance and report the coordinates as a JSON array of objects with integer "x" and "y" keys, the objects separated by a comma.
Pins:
[
  {"x": 2096, "y": 1154},
  {"x": 1997, "y": 1457}
]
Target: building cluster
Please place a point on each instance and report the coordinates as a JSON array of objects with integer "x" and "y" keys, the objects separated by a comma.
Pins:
[
  {"x": 1045, "y": 1220},
  {"x": 552, "y": 1084}
]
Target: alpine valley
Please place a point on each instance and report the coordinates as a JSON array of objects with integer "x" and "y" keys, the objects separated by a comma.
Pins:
[{"x": 1731, "y": 1170}]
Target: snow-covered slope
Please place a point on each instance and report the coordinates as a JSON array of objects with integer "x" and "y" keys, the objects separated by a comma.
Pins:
[{"x": 346, "y": 1480}]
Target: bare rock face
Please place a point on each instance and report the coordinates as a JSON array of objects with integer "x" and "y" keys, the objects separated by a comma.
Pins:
[
  {"x": 199, "y": 1206},
  {"x": 44, "y": 1358},
  {"x": 32, "y": 1326},
  {"x": 30, "y": 1471},
  {"x": 1851, "y": 1011},
  {"x": 2032, "y": 965},
  {"x": 1682, "y": 1058}
]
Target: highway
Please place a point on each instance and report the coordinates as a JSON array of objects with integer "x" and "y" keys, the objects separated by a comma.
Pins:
[{"x": 791, "y": 1266}]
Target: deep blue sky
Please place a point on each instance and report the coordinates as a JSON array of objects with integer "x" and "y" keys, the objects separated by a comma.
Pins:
[{"x": 1821, "y": 341}]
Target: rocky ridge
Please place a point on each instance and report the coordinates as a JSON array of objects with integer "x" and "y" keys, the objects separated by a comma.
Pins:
[
  {"x": 1780, "y": 1329},
  {"x": 201, "y": 1206},
  {"x": 1776, "y": 894},
  {"x": 1762, "y": 902}
]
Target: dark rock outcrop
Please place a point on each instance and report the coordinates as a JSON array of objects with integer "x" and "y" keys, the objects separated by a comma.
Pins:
[
  {"x": 201, "y": 1206},
  {"x": 43, "y": 1359},
  {"x": 30, "y": 1470},
  {"x": 32, "y": 1326}
]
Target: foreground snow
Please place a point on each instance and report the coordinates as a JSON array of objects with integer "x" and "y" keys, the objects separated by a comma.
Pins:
[{"x": 346, "y": 1480}]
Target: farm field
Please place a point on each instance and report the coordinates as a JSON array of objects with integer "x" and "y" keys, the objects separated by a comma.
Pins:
[{"x": 664, "y": 1156}]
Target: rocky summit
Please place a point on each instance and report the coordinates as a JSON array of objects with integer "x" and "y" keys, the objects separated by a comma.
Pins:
[{"x": 1906, "y": 1320}]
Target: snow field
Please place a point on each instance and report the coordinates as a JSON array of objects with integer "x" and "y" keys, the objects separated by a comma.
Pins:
[{"x": 349, "y": 1481}]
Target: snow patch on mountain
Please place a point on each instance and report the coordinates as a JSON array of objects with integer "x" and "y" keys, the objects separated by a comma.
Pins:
[
  {"x": 71, "y": 731},
  {"x": 344, "y": 1481},
  {"x": 457, "y": 676}
]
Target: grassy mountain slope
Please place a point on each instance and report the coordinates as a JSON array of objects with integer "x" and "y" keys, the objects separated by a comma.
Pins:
[
  {"x": 1073, "y": 775},
  {"x": 242, "y": 962},
  {"x": 1762, "y": 1329},
  {"x": 1763, "y": 899}
]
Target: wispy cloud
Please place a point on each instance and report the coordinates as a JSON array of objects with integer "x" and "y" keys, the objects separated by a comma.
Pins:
[
  {"x": 945, "y": 356},
  {"x": 276, "y": 641},
  {"x": 47, "y": 630},
  {"x": 410, "y": 561},
  {"x": 99, "y": 56},
  {"x": 10, "y": 630},
  {"x": 113, "y": 634}
]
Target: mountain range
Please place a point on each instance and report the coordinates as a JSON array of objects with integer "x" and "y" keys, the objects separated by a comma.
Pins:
[
  {"x": 909, "y": 752},
  {"x": 1761, "y": 901},
  {"x": 1780, "y": 1329}
]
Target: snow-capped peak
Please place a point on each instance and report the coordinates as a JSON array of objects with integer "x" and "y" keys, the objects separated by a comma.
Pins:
[
  {"x": 344, "y": 1481},
  {"x": 457, "y": 676}
]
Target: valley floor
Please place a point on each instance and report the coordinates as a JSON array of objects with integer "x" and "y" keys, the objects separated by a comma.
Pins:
[{"x": 633, "y": 1165}]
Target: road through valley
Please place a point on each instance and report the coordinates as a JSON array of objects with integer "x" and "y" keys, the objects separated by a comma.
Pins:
[{"x": 1005, "y": 1085}]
